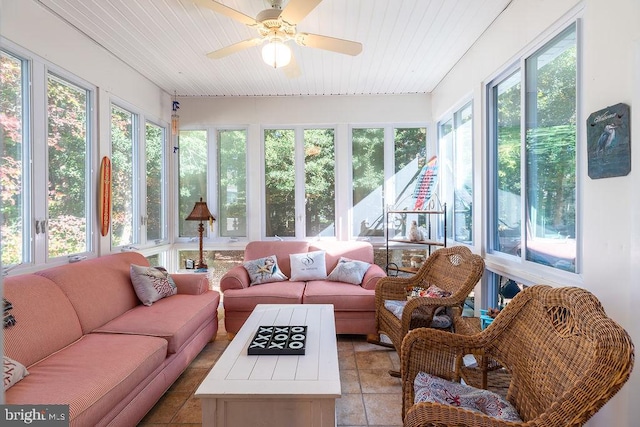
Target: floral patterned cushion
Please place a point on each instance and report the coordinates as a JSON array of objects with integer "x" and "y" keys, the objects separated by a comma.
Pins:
[
  {"x": 349, "y": 271},
  {"x": 429, "y": 388},
  {"x": 151, "y": 283},
  {"x": 12, "y": 372},
  {"x": 264, "y": 270}
]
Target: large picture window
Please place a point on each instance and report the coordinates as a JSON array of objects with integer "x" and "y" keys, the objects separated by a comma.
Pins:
[
  {"x": 155, "y": 181},
  {"x": 192, "y": 179},
  {"x": 534, "y": 160}
]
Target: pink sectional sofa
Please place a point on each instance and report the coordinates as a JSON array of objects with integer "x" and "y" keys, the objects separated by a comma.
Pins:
[
  {"x": 87, "y": 341},
  {"x": 354, "y": 305}
]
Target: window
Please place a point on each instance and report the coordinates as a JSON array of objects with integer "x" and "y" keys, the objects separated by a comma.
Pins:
[
  {"x": 541, "y": 155},
  {"x": 68, "y": 143},
  {"x": 232, "y": 183},
  {"x": 279, "y": 182},
  {"x": 123, "y": 126},
  {"x": 379, "y": 155},
  {"x": 456, "y": 162},
  {"x": 319, "y": 183},
  {"x": 14, "y": 173},
  {"x": 155, "y": 154},
  {"x": 192, "y": 178},
  {"x": 367, "y": 157},
  {"x": 312, "y": 201}
]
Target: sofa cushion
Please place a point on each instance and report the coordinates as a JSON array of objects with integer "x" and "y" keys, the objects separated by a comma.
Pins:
[
  {"x": 151, "y": 283},
  {"x": 100, "y": 289},
  {"x": 361, "y": 251},
  {"x": 269, "y": 293},
  {"x": 349, "y": 271},
  {"x": 45, "y": 319},
  {"x": 308, "y": 266},
  {"x": 264, "y": 270},
  {"x": 92, "y": 375},
  {"x": 343, "y": 297},
  {"x": 175, "y": 319},
  {"x": 12, "y": 372},
  {"x": 281, "y": 249}
]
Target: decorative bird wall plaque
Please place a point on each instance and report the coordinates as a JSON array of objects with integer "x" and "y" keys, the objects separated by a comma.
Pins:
[{"x": 609, "y": 143}]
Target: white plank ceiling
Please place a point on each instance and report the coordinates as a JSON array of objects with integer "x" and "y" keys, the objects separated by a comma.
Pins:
[{"x": 409, "y": 45}]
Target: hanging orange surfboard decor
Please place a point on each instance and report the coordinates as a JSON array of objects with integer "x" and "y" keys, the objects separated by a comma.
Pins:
[{"x": 105, "y": 195}]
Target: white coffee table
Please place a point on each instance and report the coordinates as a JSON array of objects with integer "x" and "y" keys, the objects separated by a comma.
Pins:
[{"x": 279, "y": 391}]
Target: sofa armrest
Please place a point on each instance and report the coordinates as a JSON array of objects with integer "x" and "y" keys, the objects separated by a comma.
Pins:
[
  {"x": 371, "y": 277},
  {"x": 191, "y": 284},
  {"x": 236, "y": 278}
]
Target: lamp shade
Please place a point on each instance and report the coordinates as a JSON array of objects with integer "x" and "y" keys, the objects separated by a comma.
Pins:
[
  {"x": 276, "y": 54},
  {"x": 200, "y": 212}
]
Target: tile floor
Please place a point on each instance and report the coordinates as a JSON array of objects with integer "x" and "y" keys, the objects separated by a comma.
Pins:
[{"x": 370, "y": 396}]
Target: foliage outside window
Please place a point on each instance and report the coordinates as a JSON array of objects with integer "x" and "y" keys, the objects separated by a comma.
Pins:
[
  {"x": 232, "y": 183},
  {"x": 68, "y": 141},
  {"x": 548, "y": 148},
  {"x": 320, "y": 183},
  {"x": 456, "y": 162},
  {"x": 155, "y": 165},
  {"x": 123, "y": 125},
  {"x": 280, "y": 179},
  {"x": 13, "y": 170},
  {"x": 192, "y": 179},
  {"x": 367, "y": 157}
]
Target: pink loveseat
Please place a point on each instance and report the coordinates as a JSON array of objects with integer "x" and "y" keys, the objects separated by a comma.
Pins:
[
  {"x": 354, "y": 305},
  {"x": 87, "y": 341}
]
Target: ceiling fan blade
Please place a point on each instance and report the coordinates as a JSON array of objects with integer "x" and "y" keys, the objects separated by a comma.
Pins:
[
  {"x": 236, "y": 47},
  {"x": 292, "y": 70},
  {"x": 296, "y": 10},
  {"x": 227, "y": 11},
  {"x": 329, "y": 43}
]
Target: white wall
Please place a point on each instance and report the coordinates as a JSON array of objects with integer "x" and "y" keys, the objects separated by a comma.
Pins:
[{"x": 610, "y": 74}]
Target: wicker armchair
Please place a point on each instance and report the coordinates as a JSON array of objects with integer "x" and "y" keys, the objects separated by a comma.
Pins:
[
  {"x": 565, "y": 356},
  {"x": 454, "y": 269}
]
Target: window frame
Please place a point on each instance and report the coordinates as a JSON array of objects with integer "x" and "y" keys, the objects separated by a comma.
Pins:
[{"x": 519, "y": 267}]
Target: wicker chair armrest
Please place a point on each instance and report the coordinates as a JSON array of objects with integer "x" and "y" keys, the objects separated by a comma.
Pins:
[{"x": 393, "y": 288}]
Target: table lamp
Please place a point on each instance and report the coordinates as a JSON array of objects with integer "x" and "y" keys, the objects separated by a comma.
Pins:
[{"x": 200, "y": 213}]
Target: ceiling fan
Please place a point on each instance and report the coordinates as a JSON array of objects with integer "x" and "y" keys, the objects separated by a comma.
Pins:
[{"x": 276, "y": 26}]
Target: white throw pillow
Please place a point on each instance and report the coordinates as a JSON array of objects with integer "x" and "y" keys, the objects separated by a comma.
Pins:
[
  {"x": 13, "y": 371},
  {"x": 308, "y": 266},
  {"x": 264, "y": 270},
  {"x": 349, "y": 271}
]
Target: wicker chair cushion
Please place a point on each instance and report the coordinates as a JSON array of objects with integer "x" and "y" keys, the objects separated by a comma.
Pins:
[
  {"x": 440, "y": 320},
  {"x": 429, "y": 388}
]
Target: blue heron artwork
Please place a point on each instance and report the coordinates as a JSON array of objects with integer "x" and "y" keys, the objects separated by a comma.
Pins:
[{"x": 609, "y": 145}]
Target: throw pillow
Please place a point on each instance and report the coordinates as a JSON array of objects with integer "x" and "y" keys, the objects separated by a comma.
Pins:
[
  {"x": 349, "y": 271},
  {"x": 151, "y": 283},
  {"x": 441, "y": 320},
  {"x": 431, "y": 292},
  {"x": 12, "y": 372},
  {"x": 308, "y": 266},
  {"x": 264, "y": 270},
  {"x": 430, "y": 388}
]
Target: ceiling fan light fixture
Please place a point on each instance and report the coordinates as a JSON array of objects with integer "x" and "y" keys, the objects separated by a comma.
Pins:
[{"x": 276, "y": 54}]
